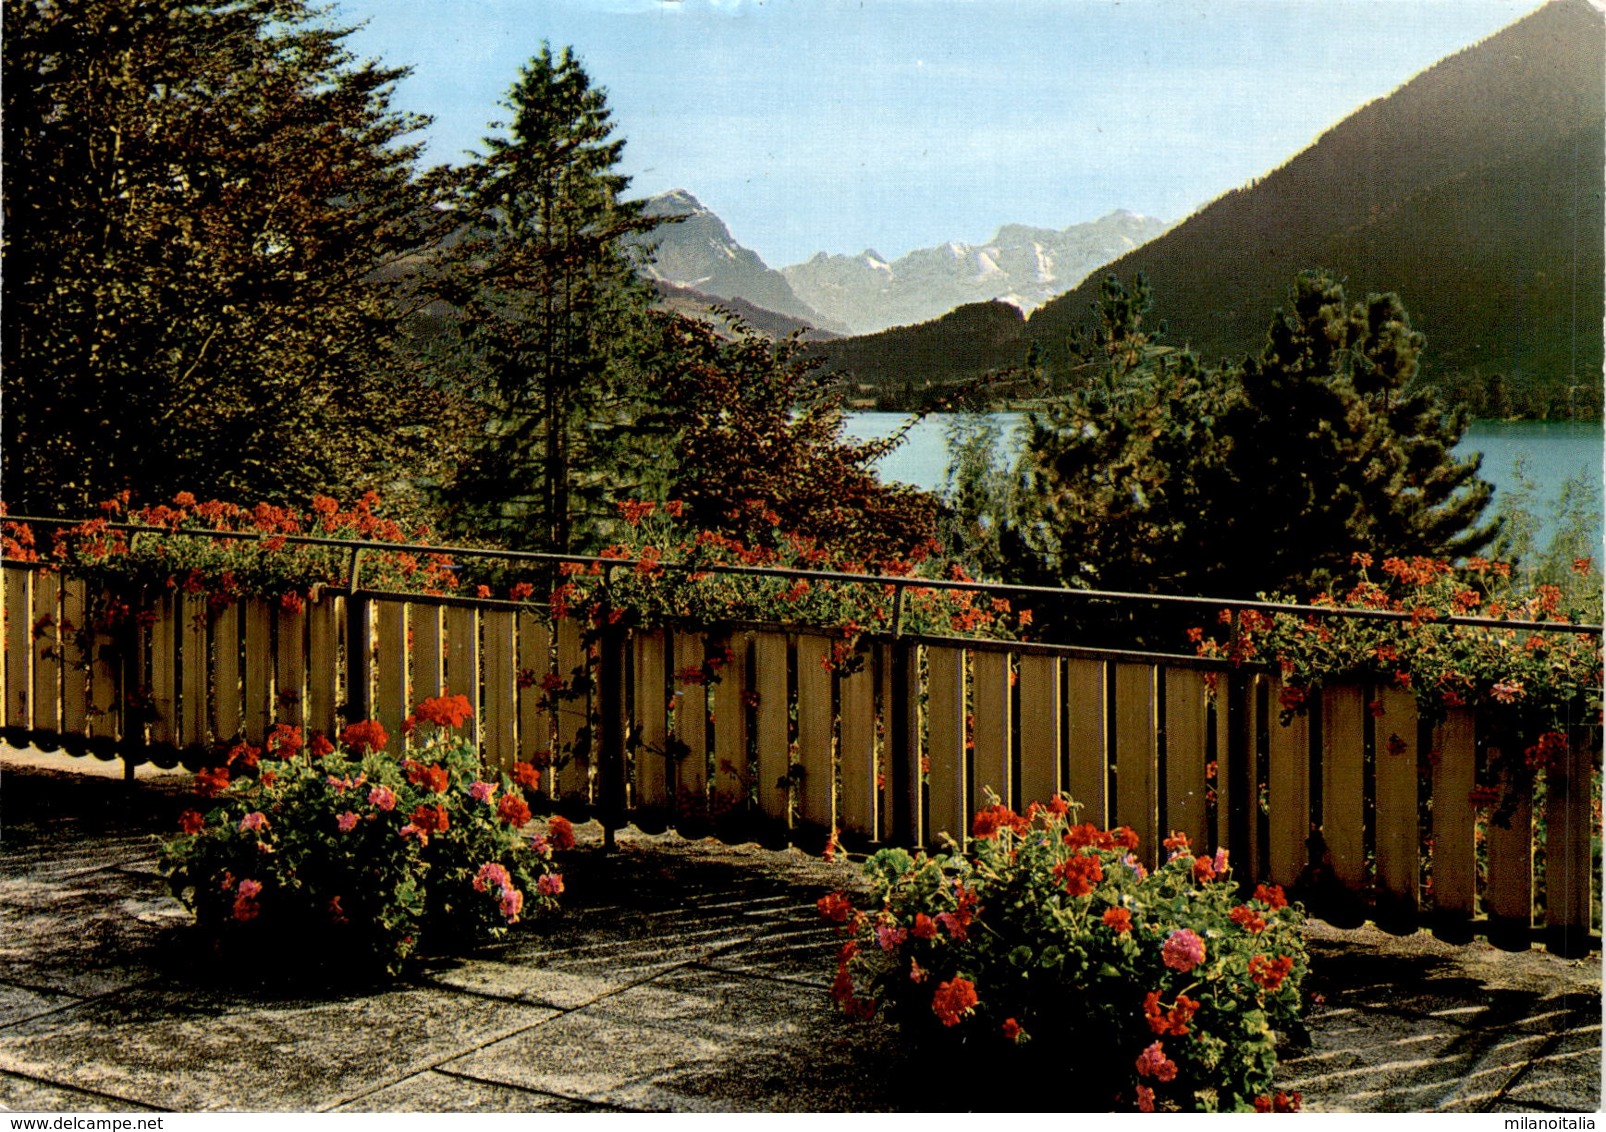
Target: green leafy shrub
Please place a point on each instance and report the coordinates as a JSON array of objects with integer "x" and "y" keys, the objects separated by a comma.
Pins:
[
  {"x": 360, "y": 856},
  {"x": 1050, "y": 946}
]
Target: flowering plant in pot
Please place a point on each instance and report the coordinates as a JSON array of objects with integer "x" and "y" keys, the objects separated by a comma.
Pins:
[
  {"x": 358, "y": 856},
  {"x": 1049, "y": 948}
]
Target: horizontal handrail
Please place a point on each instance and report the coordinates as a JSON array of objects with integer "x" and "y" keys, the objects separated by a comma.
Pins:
[{"x": 897, "y": 581}]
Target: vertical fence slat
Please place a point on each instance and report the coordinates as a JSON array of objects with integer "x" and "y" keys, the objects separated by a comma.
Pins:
[
  {"x": 226, "y": 689},
  {"x": 1508, "y": 900},
  {"x": 887, "y": 696},
  {"x": 194, "y": 679},
  {"x": 535, "y": 665},
  {"x": 774, "y": 758},
  {"x": 462, "y": 654},
  {"x": 574, "y": 712},
  {"x": 1136, "y": 757},
  {"x": 1221, "y": 779},
  {"x": 425, "y": 624},
  {"x": 991, "y": 759},
  {"x": 651, "y": 715},
  {"x": 1398, "y": 853},
  {"x": 1186, "y": 750},
  {"x": 105, "y": 684},
  {"x": 1343, "y": 782},
  {"x": 906, "y": 790},
  {"x": 390, "y": 670},
  {"x": 1239, "y": 774},
  {"x": 1039, "y": 729},
  {"x": 74, "y": 664},
  {"x": 1288, "y": 792},
  {"x": 259, "y": 670},
  {"x": 19, "y": 647},
  {"x": 859, "y": 795},
  {"x": 1086, "y": 739},
  {"x": 164, "y": 672},
  {"x": 5, "y": 645},
  {"x": 691, "y": 724},
  {"x": 730, "y": 721},
  {"x": 290, "y": 661},
  {"x": 361, "y": 639},
  {"x": 1568, "y": 863},
  {"x": 945, "y": 745},
  {"x": 46, "y": 696},
  {"x": 323, "y": 662},
  {"x": 1454, "y": 859},
  {"x": 501, "y": 676},
  {"x": 817, "y": 795}
]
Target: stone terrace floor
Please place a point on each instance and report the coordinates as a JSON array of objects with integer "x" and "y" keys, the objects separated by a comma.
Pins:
[{"x": 684, "y": 976}]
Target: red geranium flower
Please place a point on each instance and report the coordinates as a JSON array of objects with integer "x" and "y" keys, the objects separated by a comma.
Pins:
[
  {"x": 365, "y": 736},
  {"x": 431, "y": 778},
  {"x": 1079, "y": 874},
  {"x": 1282, "y": 1102},
  {"x": 1169, "y": 1021},
  {"x": 513, "y": 810},
  {"x": 430, "y": 819},
  {"x": 561, "y": 830},
  {"x": 524, "y": 774},
  {"x": 994, "y": 819},
  {"x": 835, "y": 907},
  {"x": 1271, "y": 895},
  {"x": 1270, "y": 973},
  {"x": 1119, "y": 919},
  {"x": 211, "y": 780},
  {"x": 953, "y": 1000},
  {"x": 1248, "y": 919},
  {"x": 444, "y": 711}
]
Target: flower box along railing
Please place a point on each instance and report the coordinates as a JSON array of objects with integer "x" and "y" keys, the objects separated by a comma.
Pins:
[{"x": 788, "y": 732}]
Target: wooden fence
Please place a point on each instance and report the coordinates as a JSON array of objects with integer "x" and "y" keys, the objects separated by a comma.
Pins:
[{"x": 790, "y": 732}]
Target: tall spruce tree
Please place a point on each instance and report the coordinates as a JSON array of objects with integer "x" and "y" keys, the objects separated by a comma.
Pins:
[
  {"x": 1336, "y": 450},
  {"x": 1117, "y": 469},
  {"x": 1156, "y": 474},
  {"x": 551, "y": 311},
  {"x": 205, "y": 204}
]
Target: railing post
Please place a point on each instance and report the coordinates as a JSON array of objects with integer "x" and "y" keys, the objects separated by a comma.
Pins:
[{"x": 359, "y": 647}]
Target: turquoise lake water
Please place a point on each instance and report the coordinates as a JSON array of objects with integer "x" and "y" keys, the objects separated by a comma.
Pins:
[{"x": 1551, "y": 452}]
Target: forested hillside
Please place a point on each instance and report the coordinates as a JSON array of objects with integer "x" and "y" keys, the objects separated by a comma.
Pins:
[{"x": 1474, "y": 192}]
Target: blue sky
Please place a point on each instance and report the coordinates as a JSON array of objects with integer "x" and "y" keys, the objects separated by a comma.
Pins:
[{"x": 842, "y": 125}]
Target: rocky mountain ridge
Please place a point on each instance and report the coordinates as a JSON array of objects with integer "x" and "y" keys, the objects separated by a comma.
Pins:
[{"x": 1021, "y": 265}]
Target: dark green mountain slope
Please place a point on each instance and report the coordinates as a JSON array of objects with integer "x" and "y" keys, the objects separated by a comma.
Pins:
[{"x": 1474, "y": 191}]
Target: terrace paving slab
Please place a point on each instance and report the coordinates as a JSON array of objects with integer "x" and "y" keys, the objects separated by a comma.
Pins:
[{"x": 683, "y": 976}]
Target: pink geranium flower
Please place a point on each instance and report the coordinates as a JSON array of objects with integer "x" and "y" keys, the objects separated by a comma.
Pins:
[{"x": 1183, "y": 950}]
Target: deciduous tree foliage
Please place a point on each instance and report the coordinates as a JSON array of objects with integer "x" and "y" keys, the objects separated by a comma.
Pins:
[
  {"x": 760, "y": 451},
  {"x": 550, "y": 312},
  {"x": 205, "y": 204},
  {"x": 1157, "y": 474}
]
